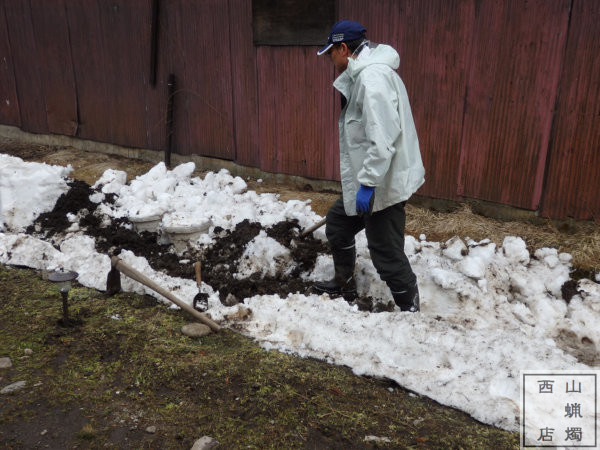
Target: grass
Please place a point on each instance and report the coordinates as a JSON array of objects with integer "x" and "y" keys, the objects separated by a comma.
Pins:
[{"x": 103, "y": 383}]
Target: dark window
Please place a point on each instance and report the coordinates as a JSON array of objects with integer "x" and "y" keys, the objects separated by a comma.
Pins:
[{"x": 292, "y": 22}]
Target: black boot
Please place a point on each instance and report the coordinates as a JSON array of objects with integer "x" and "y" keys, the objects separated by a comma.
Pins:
[
  {"x": 408, "y": 298},
  {"x": 343, "y": 281}
]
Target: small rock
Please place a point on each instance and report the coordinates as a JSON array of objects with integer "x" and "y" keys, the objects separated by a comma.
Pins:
[
  {"x": 28, "y": 352},
  {"x": 205, "y": 443},
  {"x": 230, "y": 300},
  {"x": 5, "y": 363},
  {"x": 241, "y": 313},
  {"x": 13, "y": 387},
  {"x": 195, "y": 330},
  {"x": 151, "y": 429},
  {"x": 44, "y": 432},
  {"x": 377, "y": 439}
]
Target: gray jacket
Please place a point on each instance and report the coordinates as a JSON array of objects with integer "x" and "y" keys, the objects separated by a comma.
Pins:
[{"x": 378, "y": 140}]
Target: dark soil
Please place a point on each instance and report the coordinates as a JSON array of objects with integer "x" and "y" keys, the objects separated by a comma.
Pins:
[{"x": 219, "y": 261}]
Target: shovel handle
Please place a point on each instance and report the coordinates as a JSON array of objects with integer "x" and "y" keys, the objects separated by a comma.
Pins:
[
  {"x": 198, "y": 266},
  {"x": 126, "y": 269},
  {"x": 313, "y": 228}
]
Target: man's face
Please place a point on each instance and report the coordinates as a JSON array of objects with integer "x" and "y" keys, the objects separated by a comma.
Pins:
[{"x": 339, "y": 56}]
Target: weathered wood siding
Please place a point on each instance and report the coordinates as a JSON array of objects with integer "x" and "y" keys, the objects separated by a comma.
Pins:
[
  {"x": 244, "y": 74},
  {"x": 28, "y": 73},
  {"x": 515, "y": 66},
  {"x": 296, "y": 112},
  {"x": 9, "y": 100},
  {"x": 198, "y": 51},
  {"x": 573, "y": 175},
  {"x": 505, "y": 94},
  {"x": 51, "y": 35}
]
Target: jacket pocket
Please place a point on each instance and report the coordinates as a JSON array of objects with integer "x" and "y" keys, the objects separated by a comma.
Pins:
[{"x": 355, "y": 132}]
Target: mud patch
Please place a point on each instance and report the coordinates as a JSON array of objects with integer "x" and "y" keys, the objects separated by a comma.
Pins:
[
  {"x": 581, "y": 348},
  {"x": 568, "y": 290}
]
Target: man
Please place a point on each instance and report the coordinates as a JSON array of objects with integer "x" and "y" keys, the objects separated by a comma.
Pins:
[{"x": 380, "y": 164}]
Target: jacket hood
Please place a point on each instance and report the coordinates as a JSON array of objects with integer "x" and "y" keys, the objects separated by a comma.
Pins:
[
  {"x": 373, "y": 54},
  {"x": 370, "y": 55}
]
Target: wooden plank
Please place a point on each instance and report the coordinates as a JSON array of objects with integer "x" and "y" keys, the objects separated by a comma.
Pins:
[
  {"x": 9, "y": 103},
  {"x": 244, "y": 86},
  {"x": 517, "y": 51},
  {"x": 296, "y": 124},
  {"x": 199, "y": 52},
  {"x": 87, "y": 50},
  {"x": 27, "y": 69},
  {"x": 573, "y": 178},
  {"x": 434, "y": 41},
  {"x": 51, "y": 33},
  {"x": 125, "y": 29}
]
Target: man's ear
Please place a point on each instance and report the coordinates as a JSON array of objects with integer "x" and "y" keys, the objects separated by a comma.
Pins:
[{"x": 345, "y": 50}]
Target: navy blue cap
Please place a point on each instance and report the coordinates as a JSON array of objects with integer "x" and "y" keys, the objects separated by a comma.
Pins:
[{"x": 343, "y": 31}]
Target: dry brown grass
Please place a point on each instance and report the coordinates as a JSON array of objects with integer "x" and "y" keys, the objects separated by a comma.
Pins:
[{"x": 582, "y": 240}]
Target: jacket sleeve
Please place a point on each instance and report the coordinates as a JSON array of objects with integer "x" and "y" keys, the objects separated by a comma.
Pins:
[{"x": 382, "y": 128}]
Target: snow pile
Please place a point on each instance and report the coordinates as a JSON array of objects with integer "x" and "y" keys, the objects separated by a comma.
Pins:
[
  {"x": 487, "y": 311},
  {"x": 26, "y": 182},
  {"x": 183, "y": 200},
  {"x": 264, "y": 256}
]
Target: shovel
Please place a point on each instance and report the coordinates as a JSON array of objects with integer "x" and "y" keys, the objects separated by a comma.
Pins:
[
  {"x": 200, "y": 301},
  {"x": 120, "y": 266}
]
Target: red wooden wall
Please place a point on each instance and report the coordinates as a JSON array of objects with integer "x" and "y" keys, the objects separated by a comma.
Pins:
[
  {"x": 573, "y": 167},
  {"x": 514, "y": 71},
  {"x": 296, "y": 112},
  {"x": 505, "y": 95}
]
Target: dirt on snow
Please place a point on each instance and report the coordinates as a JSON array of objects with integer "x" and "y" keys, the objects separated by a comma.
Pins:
[{"x": 219, "y": 261}]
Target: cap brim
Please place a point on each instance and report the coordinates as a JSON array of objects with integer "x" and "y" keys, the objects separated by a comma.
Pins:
[{"x": 324, "y": 49}]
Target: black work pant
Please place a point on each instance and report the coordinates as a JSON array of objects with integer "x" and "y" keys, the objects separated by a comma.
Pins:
[{"x": 385, "y": 237}]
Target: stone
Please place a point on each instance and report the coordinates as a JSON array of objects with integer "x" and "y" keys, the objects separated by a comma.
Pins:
[
  {"x": 242, "y": 312},
  {"x": 5, "y": 363},
  {"x": 13, "y": 387},
  {"x": 230, "y": 300},
  {"x": 377, "y": 439},
  {"x": 195, "y": 330},
  {"x": 151, "y": 429},
  {"x": 205, "y": 443},
  {"x": 28, "y": 352}
]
